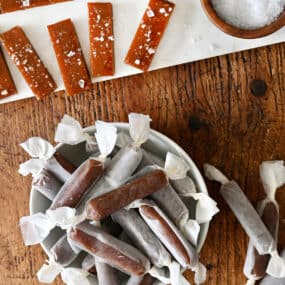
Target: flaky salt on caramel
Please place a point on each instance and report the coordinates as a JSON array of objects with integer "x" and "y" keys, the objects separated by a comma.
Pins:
[
  {"x": 149, "y": 34},
  {"x": 28, "y": 62},
  {"x": 7, "y": 86},
  {"x": 101, "y": 38},
  {"x": 70, "y": 57},
  {"x": 15, "y": 5}
]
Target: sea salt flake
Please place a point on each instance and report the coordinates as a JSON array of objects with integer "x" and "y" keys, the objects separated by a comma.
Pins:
[
  {"x": 150, "y": 13},
  {"x": 151, "y": 51},
  {"x": 4, "y": 92},
  {"x": 81, "y": 83},
  {"x": 137, "y": 62},
  {"x": 162, "y": 10},
  {"x": 71, "y": 54}
]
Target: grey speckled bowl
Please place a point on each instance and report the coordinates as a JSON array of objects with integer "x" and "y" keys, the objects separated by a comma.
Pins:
[{"x": 157, "y": 143}]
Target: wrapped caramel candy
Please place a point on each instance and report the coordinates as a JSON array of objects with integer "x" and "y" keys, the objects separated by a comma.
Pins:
[
  {"x": 142, "y": 237},
  {"x": 272, "y": 175},
  {"x": 61, "y": 213},
  {"x": 106, "y": 274},
  {"x": 259, "y": 235},
  {"x": 109, "y": 249},
  {"x": 45, "y": 156},
  {"x": 141, "y": 185}
]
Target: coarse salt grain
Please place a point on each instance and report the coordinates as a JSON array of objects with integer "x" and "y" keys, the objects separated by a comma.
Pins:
[
  {"x": 81, "y": 83},
  {"x": 150, "y": 13},
  {"x": 71, "y": 54},
  {"x": 4, "y": 92},
  {"x": 137, "y": 62},
  {"x": 249, "y": 14}
]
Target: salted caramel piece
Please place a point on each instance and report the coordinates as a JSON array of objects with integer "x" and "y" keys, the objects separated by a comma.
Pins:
[
  {"x": 107, "y": 204},
  {"x": 7, "y": 86},
  {"x": 101, "y": 38},
  {"x": 10, "y": 5},
  {"x": 149, "y": 34},
  {"x": 69, "y": 57},
  {"x": 28, "y": 62},
  {"x": 15, "y": 5}
]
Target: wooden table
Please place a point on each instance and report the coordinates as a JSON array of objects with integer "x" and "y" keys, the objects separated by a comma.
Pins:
[{"x": 207, "y": 107}]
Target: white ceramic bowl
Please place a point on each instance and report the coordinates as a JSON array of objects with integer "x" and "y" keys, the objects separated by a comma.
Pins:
[{"x": 158, "y": 144}]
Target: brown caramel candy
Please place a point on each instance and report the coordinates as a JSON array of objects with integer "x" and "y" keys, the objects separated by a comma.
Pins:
[
  {"x": 79, "y": 183},
  {"x": 107, "y": 204},
  {"x": 14, "y": 5},
  {"x": 7, "y": 86},
  {"x": 101, "y": 38},
  {"x": 152, "y": 214},
  {"x": 106, "y": 252},
  {"x": 149, "y": 34},
  {"x": 28, "y": 62},
  {"x": 70, "y": 57}
]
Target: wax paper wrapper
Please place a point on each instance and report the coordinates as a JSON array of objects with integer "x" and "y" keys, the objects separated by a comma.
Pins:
[
  {"x": 109, "y": 249},
  {"x": 42, "y": 153},
  {"x": 124, "y": 162},
  {"x": 272, "y": 175},
  {"x": 106, "y": 274},
  {"x": 172, "y": 239},
  {"x": 142, "y": 237},
  {"x": 249, "y": 219}
]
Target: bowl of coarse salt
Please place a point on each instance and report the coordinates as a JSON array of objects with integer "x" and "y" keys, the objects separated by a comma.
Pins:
[{"x": 249, "y": 19}]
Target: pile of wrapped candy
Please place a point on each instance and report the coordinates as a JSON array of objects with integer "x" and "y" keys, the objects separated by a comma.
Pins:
[
  {"x": 123, "y": 209},
  {"x": 263, "y": 261}
]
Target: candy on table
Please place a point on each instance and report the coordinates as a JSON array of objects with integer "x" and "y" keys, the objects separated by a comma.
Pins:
[
  {"x": 35, "y": 228},
  {"x": 14, "y": 5},
  {"x": 28, "y": 62},
  {"x": 7, "y": 85},
  {"x": 106, "y": 274},
  {"x": 272, "y": 175},
  {"x": 144, "y": 280},
  {"x": 124, "y": 162},
  {"x": 47, "y": 184},
  {"x": 149, "y": 34},
  {"x": 88, "y": 264},
  {"x": 259, "y": 235},
  {"x": 142, "y": 237},
  {"x": 45, "y": 156},
  {"x": 101, "y": 37},
  {"x": 109, "y": 249},
  {"x": 269, "y": 280},
  {"x": 70, "y": 57}
]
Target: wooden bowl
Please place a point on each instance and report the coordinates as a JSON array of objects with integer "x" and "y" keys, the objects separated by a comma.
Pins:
[{"x": 241, "y": 33}]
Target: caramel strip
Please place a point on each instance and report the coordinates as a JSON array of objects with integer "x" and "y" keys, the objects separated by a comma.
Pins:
[
  {"x": 70, "y": 57},
  {"x": 169, "y": 234},
  {"x": 105, "y": 205},
  {"x": 149, "y": 34},
  {"x": 101, "y": 38},
  {"x": 112, "y": 255},
  {"x": 7, "y": 86},
  {"x": 79, "y": 183},
  {"x": 28, "y": 62},
  {"x": 15, "y": 5}
]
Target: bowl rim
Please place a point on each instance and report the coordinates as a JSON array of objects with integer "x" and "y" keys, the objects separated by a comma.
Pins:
[
  {"x": 239, "y": 32},
  {"x": 201, "y": 185}
]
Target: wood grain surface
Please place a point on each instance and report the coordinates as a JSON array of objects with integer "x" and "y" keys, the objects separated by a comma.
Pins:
[{"x": 207, "y": 107}]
